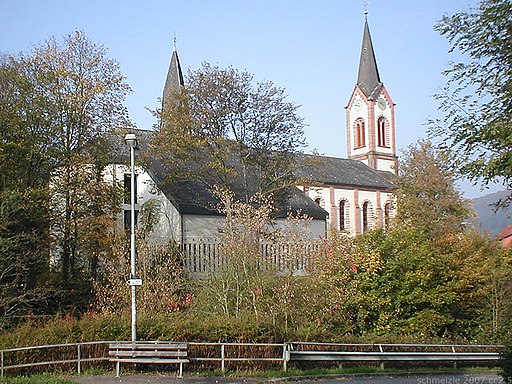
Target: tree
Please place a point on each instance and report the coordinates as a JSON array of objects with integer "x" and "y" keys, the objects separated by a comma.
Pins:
[
  {"x": 24, "y": 270},
  {"x": 477, "y": 100},
  {"x": 23, "y": 138},
  {"x": 221, "y": 128},
  {"x": 410, "y": 275},
  {"x": 426, "y": 196},
  {"x": 483, "y": 272},
  {"x": 58, "y": 103},
  {"x": 403, "y": 286},
  {"x": 78, "y": 94}
]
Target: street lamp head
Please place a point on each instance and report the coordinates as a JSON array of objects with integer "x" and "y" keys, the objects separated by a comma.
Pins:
[{"x": 131, "y": 140}]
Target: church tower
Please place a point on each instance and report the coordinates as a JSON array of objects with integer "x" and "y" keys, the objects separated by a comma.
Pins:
[
  {"x": 370, "y": 115},
  {"x": 174, "y": 80}
]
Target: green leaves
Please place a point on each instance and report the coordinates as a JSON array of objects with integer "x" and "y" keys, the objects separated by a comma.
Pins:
[
  {"x": 56, "y": 105},
  {"x": 477, "y": 101}
]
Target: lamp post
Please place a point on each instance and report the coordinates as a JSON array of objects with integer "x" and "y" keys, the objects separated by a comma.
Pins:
[{"x": 131, "y": 140}]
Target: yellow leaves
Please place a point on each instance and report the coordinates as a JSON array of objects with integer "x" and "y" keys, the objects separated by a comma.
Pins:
[{"x": 369, "y": 262}]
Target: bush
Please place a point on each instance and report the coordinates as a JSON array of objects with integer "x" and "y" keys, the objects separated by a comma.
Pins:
[{"x": 506, "y": 364}]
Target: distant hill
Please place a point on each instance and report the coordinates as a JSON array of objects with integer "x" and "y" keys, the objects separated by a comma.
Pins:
[{"x": 488, "y": 220}]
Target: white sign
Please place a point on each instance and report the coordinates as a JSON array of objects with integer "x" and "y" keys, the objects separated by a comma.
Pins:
[{"x": 134, "y": 282}]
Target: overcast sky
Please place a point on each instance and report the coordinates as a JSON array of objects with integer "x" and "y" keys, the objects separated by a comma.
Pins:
[{"x": 309, "y": 47}]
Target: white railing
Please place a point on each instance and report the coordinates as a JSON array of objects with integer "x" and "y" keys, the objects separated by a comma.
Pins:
[
  {"x": 203, "y": 257},
  {"x": 282, "y": 353}
]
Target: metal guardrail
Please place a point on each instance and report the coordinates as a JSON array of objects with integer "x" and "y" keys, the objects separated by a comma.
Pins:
[
  {"x": 78, "y": 360},
  {"x": 382, "y": 353},
  {"x": 279, "y": 352},
  {"x": 223, "y": 357}
]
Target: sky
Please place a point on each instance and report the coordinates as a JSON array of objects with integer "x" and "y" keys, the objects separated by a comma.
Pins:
[{"x": 308, "y": 47}]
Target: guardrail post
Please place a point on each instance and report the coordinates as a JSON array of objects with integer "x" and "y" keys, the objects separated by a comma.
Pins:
[
  {"x": 1, "y": 363},
  {"x": 222, "y": 366},
  {"x": 382, "y": 366},
  {"x": 78, "y": 358},
  {"x": 286, "y": 357}
]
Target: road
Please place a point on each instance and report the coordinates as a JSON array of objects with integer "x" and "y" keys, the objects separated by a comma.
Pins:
[
  {"x": 449, "y": 378},
  {"x": 476, "y": 378}
]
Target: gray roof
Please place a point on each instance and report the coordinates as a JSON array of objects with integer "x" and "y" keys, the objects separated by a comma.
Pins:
[
  {"x": 194, "y": 196},
  {"x": 368, "y": 78},
  {"x": 343, "y": 173}
]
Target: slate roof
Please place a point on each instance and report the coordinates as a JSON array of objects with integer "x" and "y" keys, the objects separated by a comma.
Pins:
[
  {"x": 344, "y": 173},
  {"x": 194, "y": 196},
  {"x": 368, "y": 78},
  {"x": 174, "y": 78}
]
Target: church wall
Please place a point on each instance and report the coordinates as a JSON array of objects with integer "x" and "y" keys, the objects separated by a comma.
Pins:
[
  {"x": 331, "y": 199},
  {"x": 206, "y": 229},
  {"x": 168, "y": 226},
  {"x": 201, "y": 228},
  {"x": 374, "y": 208},
  {"x": 312, "y": 230},
  {"x": 386, "y": 165}
]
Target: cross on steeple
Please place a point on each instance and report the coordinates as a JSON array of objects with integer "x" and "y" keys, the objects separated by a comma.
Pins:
[{"x": 174, "y": 42}]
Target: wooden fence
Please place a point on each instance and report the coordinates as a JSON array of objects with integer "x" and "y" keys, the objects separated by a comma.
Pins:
[{"x": 297, "y": 258}]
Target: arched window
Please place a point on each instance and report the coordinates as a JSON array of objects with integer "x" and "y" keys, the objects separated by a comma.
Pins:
[
  {"x": 368, "y": 216},
  {"x": 342, "y": 215},
  {"x": 359, "y": 134},
  {"x": 382, "y": 132},
  {"x": 387, "y": 214},
  {"x": 320, "y": 201},
  {"x": 365, "y": 215}
]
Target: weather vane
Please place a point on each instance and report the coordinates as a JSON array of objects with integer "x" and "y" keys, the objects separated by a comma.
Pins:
[{"x": 174, "y": 41}]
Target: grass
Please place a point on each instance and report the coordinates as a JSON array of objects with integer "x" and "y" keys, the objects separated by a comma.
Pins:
[
  {"x": 50, "y": 378},
  {"x": 45, "y": 378}
]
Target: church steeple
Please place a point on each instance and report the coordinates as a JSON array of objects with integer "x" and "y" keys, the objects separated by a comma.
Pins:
[
  {"x": 368, "y": 77},
  {"x": 371, "y": 114},
  {"x": 174, "y": 79}
]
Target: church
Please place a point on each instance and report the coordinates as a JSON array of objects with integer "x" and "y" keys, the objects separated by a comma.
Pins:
[
  {"x": 361, "y": 198},
  {"x": 350, "y": 194}
]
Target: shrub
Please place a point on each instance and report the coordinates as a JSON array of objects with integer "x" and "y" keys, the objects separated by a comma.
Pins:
[{"x": 506, "y": 364}]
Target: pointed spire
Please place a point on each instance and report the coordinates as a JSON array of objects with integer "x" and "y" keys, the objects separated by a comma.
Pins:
[
  {"x": 368, "y": 77},
  {"x": 174, "y": 79}
]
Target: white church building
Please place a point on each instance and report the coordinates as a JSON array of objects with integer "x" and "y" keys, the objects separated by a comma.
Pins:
[{"x": 350, "y": 194}]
